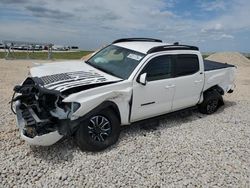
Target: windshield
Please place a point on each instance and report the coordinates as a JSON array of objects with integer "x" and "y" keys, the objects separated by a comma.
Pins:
[{"x": 117, "y": 61}]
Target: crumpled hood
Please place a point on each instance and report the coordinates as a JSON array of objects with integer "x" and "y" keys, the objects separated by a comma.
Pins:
[{"x": 66, "y": 75}]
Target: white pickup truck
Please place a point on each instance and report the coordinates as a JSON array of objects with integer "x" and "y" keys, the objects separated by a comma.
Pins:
[{"x": 130, "y": 80}]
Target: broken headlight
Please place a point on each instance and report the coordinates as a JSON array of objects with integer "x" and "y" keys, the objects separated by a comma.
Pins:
[
  {"x": 72, "y": 106},
  {"x": 75, "y": 106}
]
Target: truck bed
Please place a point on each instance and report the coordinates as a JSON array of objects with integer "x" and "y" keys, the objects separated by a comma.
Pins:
[
  {"x": 213, "y": 65},
  {"x": 220, "y": 74}
]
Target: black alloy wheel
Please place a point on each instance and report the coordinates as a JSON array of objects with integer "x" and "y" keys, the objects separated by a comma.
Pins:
[
  {"x": 99, "y": 128},
  {"x": 99, "y": 131},
  {"x": 212, "y": 101}
]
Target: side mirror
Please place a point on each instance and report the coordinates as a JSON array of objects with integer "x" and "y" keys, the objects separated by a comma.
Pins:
[{"x": 142, "y": 79}]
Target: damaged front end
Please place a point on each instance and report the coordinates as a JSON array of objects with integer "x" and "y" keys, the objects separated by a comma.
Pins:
[{"x": 42, "y": 116}]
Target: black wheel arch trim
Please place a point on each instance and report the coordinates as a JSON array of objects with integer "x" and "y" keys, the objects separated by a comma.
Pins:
[
  {"x": 68, "y": 127},
  {"x": 220, "y": 92},
  {"x": 216, "y": 88}
]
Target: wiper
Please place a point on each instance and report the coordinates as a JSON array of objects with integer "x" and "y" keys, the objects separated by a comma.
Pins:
[{"x": 87, "y": 62}]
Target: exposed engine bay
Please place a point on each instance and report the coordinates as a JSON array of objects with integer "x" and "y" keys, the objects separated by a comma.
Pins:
[
  {"x": 41, "y": 111},
  {"x": 40, "y": 108}
]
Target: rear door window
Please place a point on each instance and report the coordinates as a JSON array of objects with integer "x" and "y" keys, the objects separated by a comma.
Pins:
[{"x": 186, "y": 64}]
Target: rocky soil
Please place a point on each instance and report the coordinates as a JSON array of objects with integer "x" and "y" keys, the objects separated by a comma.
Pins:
[{"x": 193, "y": 151}]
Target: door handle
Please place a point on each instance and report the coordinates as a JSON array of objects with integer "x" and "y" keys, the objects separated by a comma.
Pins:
[
  {"x": 169, "y": 86},
  {"x": 197, "y": 81}
]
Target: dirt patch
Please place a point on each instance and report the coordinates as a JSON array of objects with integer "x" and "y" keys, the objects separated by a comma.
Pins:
[
  {"x": 192, "y": 151},
  {"x": 234, "y": 58}
]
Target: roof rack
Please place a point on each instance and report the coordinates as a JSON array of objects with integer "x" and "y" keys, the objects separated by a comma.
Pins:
[
  {"x": 136, "y": 39},
  {"x": 175, "y": 46}
]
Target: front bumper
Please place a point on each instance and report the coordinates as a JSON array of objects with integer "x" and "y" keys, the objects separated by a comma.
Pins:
[{"x": 41, "y": 140}]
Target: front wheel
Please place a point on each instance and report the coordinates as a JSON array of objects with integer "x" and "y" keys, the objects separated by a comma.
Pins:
[
  {"x": 99, "y": 131},
  {"x": 211, "y": 102}
]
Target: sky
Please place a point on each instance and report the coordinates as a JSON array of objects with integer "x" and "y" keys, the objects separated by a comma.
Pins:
[{"x": 212, "y": 25}]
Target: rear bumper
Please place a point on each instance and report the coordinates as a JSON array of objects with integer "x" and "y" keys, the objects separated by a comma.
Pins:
[{"x": 41, "y": 140}]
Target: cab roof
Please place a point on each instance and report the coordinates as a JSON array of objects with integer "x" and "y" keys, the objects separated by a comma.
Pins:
[
  {"x": 142, "y": 47},
  {"x": 149, "y": 45}
]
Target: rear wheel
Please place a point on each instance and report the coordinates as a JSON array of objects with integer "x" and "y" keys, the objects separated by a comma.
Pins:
[
  {"x": 98, "y": 131},
  {"x": 211, "y": 102}
]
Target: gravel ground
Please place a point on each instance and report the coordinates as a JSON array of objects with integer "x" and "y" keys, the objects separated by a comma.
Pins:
[{"x": 195, "y": 151}]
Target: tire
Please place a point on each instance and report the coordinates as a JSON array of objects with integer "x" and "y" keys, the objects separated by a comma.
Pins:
[
  {"x": 99, "y": 131},
  {"x": 211, "y": 103}
]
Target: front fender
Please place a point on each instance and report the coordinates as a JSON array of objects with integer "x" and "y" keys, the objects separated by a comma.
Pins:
[{"x": 121, "y": 98}]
